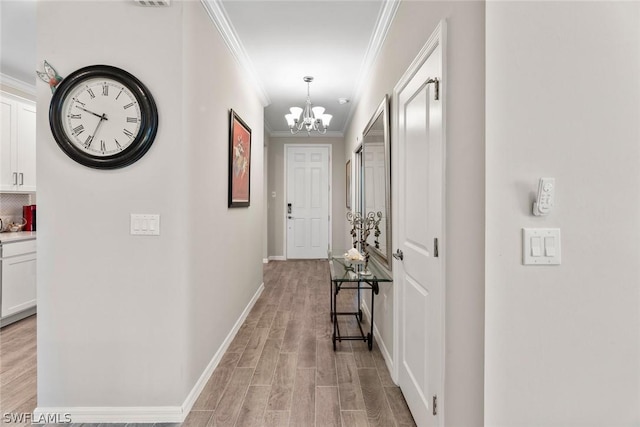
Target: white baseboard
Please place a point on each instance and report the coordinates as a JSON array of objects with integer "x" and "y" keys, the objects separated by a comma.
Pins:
[
  {"x": 265, "y": 260},
  {"x": 277, "y": 258},
  {"x": 202, "y": 381},
  {"x": 151, "y": 414},
  {"x": 388, "y": 360}
]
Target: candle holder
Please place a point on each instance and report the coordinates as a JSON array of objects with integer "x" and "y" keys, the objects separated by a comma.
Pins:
[{"x": 361, "y": 227}]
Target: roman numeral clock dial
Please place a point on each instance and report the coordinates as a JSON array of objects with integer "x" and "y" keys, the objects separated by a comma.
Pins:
[{"x": 103, "y": 117}]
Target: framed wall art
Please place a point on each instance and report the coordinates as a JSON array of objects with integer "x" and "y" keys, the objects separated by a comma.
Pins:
[{"x": 239, "y": 162}]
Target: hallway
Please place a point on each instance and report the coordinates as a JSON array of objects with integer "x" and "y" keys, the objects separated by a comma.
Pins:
[{"x": 283, "y": 364}]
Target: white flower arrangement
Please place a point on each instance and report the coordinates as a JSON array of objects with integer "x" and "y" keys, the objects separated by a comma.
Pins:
[{"x": 354, "y": 255}]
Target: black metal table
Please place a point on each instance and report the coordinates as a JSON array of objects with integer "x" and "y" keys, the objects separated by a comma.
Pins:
[{"x": 345, "y": 275}]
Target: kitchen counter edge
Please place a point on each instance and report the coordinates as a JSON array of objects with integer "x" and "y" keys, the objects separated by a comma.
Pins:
[{"x": 10, "y": 237}]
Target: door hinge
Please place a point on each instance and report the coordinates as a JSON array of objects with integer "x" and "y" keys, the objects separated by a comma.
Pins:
[
  {"x": 436, "y": 84},
  {"x": 435, "y": 248},
  {"x": 435, "y": 405}
]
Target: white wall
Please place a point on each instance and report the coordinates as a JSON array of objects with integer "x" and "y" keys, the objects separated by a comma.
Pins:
[
  {"x": 131, "y": 321},
  {"x": 563, "y": 100},
  {"x": 225, "y": 245},
  {"x": 276, "y": 183},
  {"x": 464, "y": 245}
]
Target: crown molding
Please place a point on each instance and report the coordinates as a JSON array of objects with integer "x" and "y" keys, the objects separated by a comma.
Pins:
[
  {"x": 287, "y": 134},
  {"x": 20, "y": 85},
  {"x": 379, "y": 35},
  {"x": 219, "y": 17}
]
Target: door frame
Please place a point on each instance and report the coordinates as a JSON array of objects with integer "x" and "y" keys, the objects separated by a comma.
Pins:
[
  {"x": 437, "y": 38},
  {"x": 286, "y": 191}
]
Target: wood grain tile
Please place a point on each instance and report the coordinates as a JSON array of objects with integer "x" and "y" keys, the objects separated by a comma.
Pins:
[
  {"x": 283, "y": 381},
  {"x": 327, "y": 407},
  {"x": 381, "y": 366},
  {"x": 354, "y": 419},
  {"x": 241, "y": 339},
  {"x": 399, "y": 407},
  {"x": 276, "y": 419},
  {"x": 267, "y": 363},
  {"x": 254, "y": 347},
  {"x": 267, "y": 316},
  {"x": 378, "y": 411},
  {"x": 307, "y": 350},
  {"x": 197, "y": 419},
  {"x": 292, "y": 336},
  {"x": 279, "y": 325},
  {"x": 255, "y": 402},
  {"x": 348, "y": 383},
  {"x": 229, "y": 406},
  {"x": 325, "y": 364},
  {"x": 303, "y": 405},
  {"x": 213, "y": 390}
]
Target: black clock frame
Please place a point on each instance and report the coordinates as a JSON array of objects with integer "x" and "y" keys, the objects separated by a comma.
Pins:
[{"x": 148, "y": 124}]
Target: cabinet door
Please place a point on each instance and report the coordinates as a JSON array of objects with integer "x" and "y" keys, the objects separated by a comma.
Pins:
[
  {"x": 18, "y": 284},
  {"x": 26, "y": 143},
  {"x": 7, "y": 144}
]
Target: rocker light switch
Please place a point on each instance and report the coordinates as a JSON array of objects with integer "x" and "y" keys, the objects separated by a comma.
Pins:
[
  {"x": 145, "y": 224},
  {"x": 540, "y": 246}
]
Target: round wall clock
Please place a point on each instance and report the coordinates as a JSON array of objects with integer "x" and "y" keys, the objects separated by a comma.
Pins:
[{"x": 103, "y": 117}]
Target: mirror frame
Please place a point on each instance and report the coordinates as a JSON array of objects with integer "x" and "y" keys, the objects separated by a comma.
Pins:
[{"x": 382, "y": 255}]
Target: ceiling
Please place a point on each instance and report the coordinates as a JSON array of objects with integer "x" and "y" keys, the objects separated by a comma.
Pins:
[{"x": 279, "y": 42}]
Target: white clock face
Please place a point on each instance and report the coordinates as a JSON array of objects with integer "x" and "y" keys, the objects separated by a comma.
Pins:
[{"x": 101, "y": 117}]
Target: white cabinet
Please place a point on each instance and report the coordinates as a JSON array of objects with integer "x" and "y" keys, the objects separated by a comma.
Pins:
[
  {"x": 18, "y": 279},
  {"x": 17, "y": 144}
]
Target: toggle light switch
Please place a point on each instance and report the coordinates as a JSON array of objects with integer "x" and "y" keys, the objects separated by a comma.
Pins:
[{"x": 540, "y": 246}]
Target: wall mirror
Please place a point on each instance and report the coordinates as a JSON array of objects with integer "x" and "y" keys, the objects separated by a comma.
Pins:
[{"x": 376, "y": 181}]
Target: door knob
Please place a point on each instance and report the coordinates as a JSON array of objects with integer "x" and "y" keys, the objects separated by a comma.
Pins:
[
  {"x": 398, "y": 255},
  {"x": 290, "y": 217}
]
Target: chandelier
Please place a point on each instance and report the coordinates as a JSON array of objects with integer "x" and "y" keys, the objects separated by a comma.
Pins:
[{"x": 312, "y": 119}]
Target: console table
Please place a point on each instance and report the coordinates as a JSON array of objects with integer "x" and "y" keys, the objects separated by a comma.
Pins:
[{"x": 345, "y": 275}]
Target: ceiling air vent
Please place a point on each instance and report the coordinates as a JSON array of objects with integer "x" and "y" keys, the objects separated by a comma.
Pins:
[{"x": 153, "y": 2}]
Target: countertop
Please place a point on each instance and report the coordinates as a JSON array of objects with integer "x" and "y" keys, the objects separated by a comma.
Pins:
[{"x": 9, "y": 237}]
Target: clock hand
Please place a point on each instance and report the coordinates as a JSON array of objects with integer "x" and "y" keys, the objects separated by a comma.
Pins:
[{"x": 102, "y": 117}]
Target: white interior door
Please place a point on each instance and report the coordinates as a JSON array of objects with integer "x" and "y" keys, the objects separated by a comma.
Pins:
[
  {"x": 419, "y": 186},
  {"x": 307, "y": 207}
]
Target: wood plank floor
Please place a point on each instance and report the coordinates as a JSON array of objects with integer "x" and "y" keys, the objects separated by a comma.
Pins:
[{"x": 280, "y": 369}]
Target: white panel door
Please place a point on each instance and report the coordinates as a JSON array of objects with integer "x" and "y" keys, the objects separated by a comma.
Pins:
[
  {"x": 418, "y": 184},
  {"x": 307, "y": 207}
]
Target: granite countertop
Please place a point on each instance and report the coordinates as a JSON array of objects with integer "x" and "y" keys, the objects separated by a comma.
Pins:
[{"x": 17, "y": 236}]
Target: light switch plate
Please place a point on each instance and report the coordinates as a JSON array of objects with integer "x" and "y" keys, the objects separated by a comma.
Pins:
[
  {"x": 145, "y": 224},
  {"x": 541, "y": 246}
]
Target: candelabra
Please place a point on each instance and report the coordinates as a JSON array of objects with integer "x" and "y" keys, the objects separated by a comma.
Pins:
[{"x": 361, "y": 227}]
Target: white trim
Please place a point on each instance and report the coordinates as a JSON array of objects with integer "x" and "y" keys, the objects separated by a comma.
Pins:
[
  {"x": 438, "y": 37},
  {"x": 329, "y": 148},
  {"x": 287, "y": 134},
  {"x": 265, "y": 260},
  {"x": 151, "y": 414},
  {"x": 202, "y": 381},
  {"x": 383, "y": 24},
  {"x": 378, "y": 339},
  {"x": 277, "y": 258},
  {"x": 20, "y": 85},
  {"x": 220, "y": 19}
]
